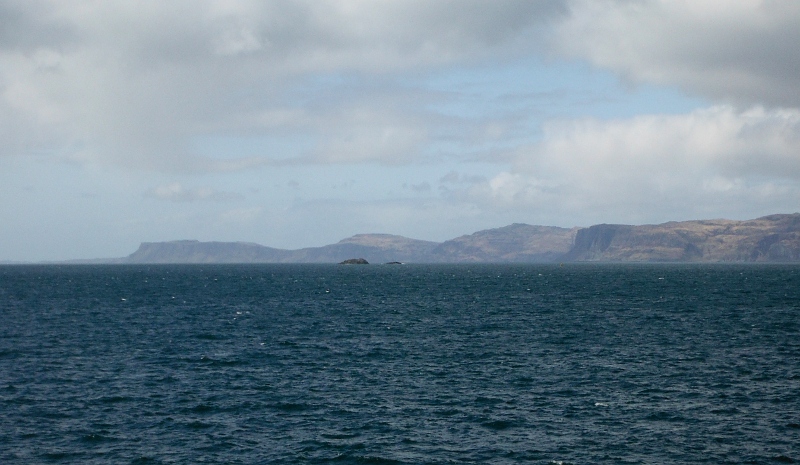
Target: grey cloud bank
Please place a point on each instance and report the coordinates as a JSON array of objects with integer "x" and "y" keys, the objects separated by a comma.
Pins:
[{"x": 741, "y": 52}]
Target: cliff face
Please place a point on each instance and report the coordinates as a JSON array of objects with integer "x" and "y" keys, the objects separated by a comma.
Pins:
[{"x": 774, "y": 238}]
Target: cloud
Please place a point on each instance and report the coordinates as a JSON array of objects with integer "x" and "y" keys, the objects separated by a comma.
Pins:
[
  {"x": 175, "y": 192},
  {"x": 454, "y": 178},
  {"x": 30, "y": 25},
  {"x": 133, "y": 85},
  {"x": 136, "y": 85},
  {"x": 420, "y": 188},
  {"x": 742, "y": 52},
  {"x": 644, "y": 168},
  {"x": 720, "y": 139}
]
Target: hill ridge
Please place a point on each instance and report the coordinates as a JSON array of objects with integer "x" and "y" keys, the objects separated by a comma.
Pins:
[{"x": 771, "y": 238}]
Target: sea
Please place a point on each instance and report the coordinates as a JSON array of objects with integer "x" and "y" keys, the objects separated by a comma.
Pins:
[{"x": 400, "y": 364}]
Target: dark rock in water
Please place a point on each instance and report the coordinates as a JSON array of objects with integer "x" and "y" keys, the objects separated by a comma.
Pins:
[
  {"x": 354, "y": 261},
  {"x": 783, "y": 459},
  {"x": 394, "y": 263}
]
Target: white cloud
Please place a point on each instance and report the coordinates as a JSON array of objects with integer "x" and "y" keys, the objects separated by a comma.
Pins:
[
  {"x": 719, "y": 140},
  {"x": 646, "y": 167}
]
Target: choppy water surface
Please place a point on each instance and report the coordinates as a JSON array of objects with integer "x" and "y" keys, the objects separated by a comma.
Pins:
[{"x": 580, "y": 364}]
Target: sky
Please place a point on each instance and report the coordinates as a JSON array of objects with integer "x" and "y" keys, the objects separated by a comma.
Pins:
[{"x": 297, "y": 123}]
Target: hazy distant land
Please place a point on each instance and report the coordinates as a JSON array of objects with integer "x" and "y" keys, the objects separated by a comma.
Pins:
[{"x": 774, "y": 238}]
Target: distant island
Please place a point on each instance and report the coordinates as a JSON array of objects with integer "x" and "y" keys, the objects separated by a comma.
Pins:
[
  {"x": 774, "y": 238},
  {"x": 354, "y": 261}
]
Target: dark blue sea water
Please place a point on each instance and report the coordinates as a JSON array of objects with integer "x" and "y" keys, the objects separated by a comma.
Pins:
[{"x": 580, "y": 364}]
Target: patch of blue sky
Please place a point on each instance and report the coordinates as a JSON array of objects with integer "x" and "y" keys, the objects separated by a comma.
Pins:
[
  {"x": 549, "y": 89},
  {"x": 49, "y": 196},
  {"x": 271, "y": 147},
  {"x": 466, "y": 151},
  {"x": 290, "y": 185}
]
